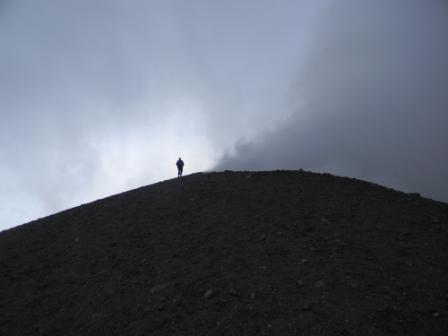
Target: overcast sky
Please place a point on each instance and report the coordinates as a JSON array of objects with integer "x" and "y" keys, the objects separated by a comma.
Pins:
[{"x": 100, "y": 96}]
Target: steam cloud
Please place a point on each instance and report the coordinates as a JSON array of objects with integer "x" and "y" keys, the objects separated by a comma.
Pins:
[
  {"x": 97, "y": 97},
  {"x": 371, "y": 100}
]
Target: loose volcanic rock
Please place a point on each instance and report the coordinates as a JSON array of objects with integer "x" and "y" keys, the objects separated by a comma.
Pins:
[{"x": 232, "y": 253}]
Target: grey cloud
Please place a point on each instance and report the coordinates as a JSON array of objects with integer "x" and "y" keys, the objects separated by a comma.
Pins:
[
  {"x": 97, "y": 96},
  {"x": 370, "y": 99}
]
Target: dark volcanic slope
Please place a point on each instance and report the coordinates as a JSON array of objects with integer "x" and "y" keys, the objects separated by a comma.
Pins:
[{"x": 268, "y": 253}]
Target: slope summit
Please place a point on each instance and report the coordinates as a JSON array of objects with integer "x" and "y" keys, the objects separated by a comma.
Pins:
[{"x": 232, "y": 253}]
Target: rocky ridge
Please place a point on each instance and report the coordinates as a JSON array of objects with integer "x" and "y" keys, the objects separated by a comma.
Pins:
[{"x": 232, "y": 253}]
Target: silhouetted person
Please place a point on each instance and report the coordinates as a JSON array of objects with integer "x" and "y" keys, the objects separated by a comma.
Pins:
[{"x": 180, "y": 167}]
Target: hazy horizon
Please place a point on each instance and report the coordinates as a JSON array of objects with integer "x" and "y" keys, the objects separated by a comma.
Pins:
[{"x": 98, "y": 97}]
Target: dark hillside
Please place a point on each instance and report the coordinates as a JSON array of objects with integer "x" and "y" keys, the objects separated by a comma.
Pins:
[{"x": 265, "y": 253}]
